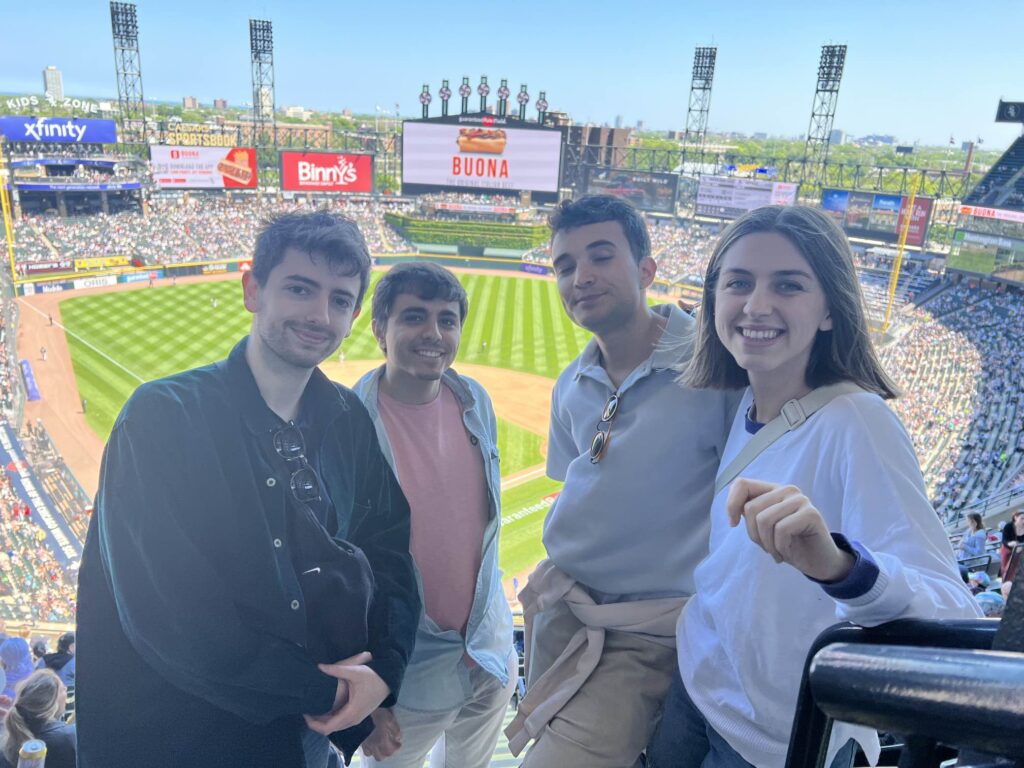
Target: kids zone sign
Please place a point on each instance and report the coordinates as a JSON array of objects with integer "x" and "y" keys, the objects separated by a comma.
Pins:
[{"x": 68, "y": 130}]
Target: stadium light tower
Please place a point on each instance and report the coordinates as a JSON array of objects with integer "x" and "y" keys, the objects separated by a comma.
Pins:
[
  {"x": 261, "y": 47},
  {"x": 464, "y": 91},
  {"x": 445, "y": 93},
  {"x": 700, "y": 105},
  {"x": 425, "y": 99},
  {"x": 823, "y": 112},
  {"x": 124, "y": 25}
]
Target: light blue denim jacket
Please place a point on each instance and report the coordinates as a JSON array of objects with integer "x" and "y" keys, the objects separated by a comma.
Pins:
[{"x": 437, "y": 677}]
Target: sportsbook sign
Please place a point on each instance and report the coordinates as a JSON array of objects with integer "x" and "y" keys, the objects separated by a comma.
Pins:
[
  {"x": 68, "y": 130},
  {"x": 203, "y": 167},
  {"x": 326, "y": 172},
  {"x": 481, "y": 156}
]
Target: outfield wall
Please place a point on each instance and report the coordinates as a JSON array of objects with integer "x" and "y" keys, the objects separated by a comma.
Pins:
[{"x": 111, "y": 277}]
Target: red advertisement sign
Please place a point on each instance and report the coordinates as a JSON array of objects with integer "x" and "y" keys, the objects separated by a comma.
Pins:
[
  {"x": 918, "y": 220},
  {"x": 326, "y": 172}
]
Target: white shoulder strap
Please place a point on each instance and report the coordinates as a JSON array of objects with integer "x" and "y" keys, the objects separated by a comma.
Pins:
[{"x": 794, "y": 413}]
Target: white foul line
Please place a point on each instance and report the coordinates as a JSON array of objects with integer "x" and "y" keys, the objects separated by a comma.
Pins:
[{"x": 69, "y": 332}]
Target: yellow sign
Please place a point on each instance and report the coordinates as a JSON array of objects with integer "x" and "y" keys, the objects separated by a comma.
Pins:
[
  {"x": 200, "y": 135},
  {"x": 101, "y": 262}
]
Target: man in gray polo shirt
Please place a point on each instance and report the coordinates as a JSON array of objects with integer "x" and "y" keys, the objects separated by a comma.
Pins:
[{"x": 638, "y": 454}]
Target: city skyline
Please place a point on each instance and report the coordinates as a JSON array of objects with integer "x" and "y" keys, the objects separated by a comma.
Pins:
[{"x": 900, "y": 76}]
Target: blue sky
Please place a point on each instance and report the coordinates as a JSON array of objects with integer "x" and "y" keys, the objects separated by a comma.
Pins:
[{"x": 921, "y": 71}]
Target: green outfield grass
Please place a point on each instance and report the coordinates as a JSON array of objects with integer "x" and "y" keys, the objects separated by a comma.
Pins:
[
  {"x": 119, "y": 340},
  {"x": 523, "y": 510}
]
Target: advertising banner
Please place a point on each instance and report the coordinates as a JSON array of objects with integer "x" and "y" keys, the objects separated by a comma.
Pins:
[
  {"x": 203, "y": 167},
  {"x": 94, "y": 282},
  {"x": 475, "y": 208},
  {"x": 482, "y": 154},
  {"x": 68, "y": 130},
  {"x": 326, "y": 172},
  {"x": 101, "y": 262},
  {"x": 877, "y": 216},
  {"x": 724, "y": 197},
  {"x": 35, "y": 186},
  {"x": 42, "y": 267},
  {"x": 647, "y": 191},
  {"x": 999, "y": 214}
]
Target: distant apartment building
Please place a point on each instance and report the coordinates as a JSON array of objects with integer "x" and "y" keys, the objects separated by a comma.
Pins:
[
  {"x": 220, "y": 103},
  {"x": 300, "y": 113},
  {"x": 190, "y": 102},
  {"x": 53, "y": 83},
  {"x": 838, "y": 136}
]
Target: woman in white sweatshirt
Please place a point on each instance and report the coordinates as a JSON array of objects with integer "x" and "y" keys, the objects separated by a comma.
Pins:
[{"x": 829, "y": 523}]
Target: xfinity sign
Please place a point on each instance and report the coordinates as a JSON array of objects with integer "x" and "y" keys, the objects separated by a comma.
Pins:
[{"x": 68, "y": 130}]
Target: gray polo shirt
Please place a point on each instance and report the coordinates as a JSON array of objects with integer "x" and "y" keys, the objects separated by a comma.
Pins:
[{"x": 636, "y": 524}]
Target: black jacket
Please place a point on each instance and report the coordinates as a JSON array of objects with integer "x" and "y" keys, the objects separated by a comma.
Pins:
[
  {"x": 60, "y": 745},
  {"x": 191, "y": 639}
]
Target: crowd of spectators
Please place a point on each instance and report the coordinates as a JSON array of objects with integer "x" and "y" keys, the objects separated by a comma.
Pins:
[
  {"x": 175, "y": 231},
  {"x": 33, "y": 584},
  {"x": 960, "y": 363}
]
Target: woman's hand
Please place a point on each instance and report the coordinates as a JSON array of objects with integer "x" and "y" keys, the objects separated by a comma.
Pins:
[{"x": 784, "y": 523}]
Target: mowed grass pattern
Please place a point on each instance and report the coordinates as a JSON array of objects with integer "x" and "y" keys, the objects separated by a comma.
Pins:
[{"x": 513, "y": 323}]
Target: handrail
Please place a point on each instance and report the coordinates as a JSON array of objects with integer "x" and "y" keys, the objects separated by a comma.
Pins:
[
  {"x": 960, "y": 698},
  {"x": 996, "y": 500},
  {"x": 811, "y": 725}
]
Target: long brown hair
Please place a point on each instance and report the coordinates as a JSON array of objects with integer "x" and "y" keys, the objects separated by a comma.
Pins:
[
  {"x": 844, "y": 353},
  {"x": 36, "y": 703}
]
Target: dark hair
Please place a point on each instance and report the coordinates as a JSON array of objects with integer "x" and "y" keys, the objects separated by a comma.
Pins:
[
  {"x": 976, "y": 517},
  {"x": 318, "y": 233},
  {"x": 65, "y": 641},
  {"x": 36, "y": 703},
  {"x": 424, "y": 280},
  {"x": 594, "y": 209},
  {"x": 844, "y": 353}
]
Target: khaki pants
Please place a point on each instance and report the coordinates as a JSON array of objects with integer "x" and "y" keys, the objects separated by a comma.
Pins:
[{"x": 611, "y": 719}]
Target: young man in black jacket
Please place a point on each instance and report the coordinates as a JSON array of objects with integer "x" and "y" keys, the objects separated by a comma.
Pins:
[{"x": 247, "y": 527}]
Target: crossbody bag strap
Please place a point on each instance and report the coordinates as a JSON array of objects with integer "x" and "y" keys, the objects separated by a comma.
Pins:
[{"x": 794, "y": 413}]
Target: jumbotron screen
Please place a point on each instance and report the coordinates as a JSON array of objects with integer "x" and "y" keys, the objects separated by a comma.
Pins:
[
  {"x": 876, "y": 215},
  {"x": 477, "y": 153},
  {"x": 724, "y": 197},
  {"x": 648, "y": 191}
]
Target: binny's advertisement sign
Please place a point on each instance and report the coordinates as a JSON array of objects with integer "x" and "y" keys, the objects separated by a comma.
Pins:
[{"x": 327, "y": 172}]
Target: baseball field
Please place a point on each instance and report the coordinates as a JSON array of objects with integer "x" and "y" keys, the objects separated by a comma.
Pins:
[{"x": 515, "y": 342}]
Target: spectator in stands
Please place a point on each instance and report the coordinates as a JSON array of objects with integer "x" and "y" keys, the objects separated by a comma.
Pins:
[
  {"x": 439, "y": 433},
  {"x": 16, "y": 659},
  {"x": 630, "y": 524},
  {"x": 36, "y": 714},
  {"x": 972, "y": 543},
  {"x": 39, "y": 650},
  {"x": 63, "y": 661},
  {"x": 244, "y": 513},
  {"x": 978, "y": 582},
  {"x": 831, "y": 523},
  {"x": 1013, "y": 535}
]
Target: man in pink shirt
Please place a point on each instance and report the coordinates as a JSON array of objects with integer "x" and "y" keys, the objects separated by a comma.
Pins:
[{"x": 437, "y": 430}]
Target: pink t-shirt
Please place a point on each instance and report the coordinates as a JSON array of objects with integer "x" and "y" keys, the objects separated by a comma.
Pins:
[{"x": 442, "y": 475}]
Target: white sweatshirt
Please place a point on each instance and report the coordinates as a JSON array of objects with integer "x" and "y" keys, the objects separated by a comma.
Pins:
[{"x": 744, "y": 636}]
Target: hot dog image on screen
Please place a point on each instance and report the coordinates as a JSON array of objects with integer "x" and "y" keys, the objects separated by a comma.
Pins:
[
  {"x": 490, "y": 141},
  {"x": 237, "y": 167}
]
